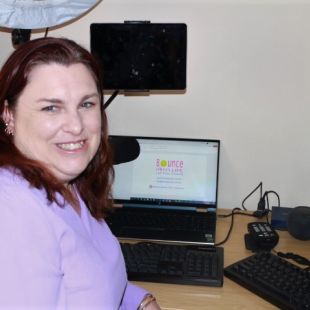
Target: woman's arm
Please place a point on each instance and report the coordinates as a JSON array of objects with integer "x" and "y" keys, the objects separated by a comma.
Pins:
[
  {"x": 149, "y": 303},
  {"x": 137, "y": 298}
]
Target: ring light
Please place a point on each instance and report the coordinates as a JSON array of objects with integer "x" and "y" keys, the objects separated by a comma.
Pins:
[{"x": 36, "y": 14}]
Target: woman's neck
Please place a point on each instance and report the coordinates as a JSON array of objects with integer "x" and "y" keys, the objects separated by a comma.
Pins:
[{"x": 76, "y": 205}]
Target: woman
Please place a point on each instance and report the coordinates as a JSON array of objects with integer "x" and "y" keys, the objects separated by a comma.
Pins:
[{"x": 55, "y": 174}]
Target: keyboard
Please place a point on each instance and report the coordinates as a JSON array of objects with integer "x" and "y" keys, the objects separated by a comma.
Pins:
[
  {"x": 273, "y": 278},
  {"x": 170, "y": 263}
]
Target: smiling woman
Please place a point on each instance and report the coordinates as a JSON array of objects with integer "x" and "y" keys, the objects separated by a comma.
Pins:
[
  {"x": 66, "y": 110},
  {"x": 42, "y": 97},
  {"x": 56, "y": 174}
]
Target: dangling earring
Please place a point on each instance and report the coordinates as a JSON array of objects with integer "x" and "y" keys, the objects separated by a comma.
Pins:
[{"x": 8, "y": 130}]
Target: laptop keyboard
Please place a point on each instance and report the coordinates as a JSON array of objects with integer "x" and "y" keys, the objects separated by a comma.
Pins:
[
  {"x": 178, "y": 264},
  {"x": 164, "y": 220}
]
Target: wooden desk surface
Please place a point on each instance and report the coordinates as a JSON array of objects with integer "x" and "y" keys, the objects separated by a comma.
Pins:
[{"x": 231, "y": 295}]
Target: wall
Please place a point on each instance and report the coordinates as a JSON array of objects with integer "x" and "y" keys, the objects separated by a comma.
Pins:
[{"x": 248, "y": 85}]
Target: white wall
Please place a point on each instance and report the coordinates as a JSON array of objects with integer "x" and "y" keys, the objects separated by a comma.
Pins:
[{"x": 248, "y": 85}]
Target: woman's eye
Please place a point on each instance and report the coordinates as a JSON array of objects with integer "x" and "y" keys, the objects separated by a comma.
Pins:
[
  {"x": 50, "y": 108},
  {"x": 88, "y": 104}
]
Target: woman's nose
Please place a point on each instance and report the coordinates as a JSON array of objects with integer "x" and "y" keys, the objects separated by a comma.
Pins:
[{"x": 73, "y": 122}]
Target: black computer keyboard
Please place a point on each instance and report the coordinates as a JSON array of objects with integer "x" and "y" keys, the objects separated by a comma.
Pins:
[
  {"x": 170, "y": 263},
  {"x": 273, "y": 278}
]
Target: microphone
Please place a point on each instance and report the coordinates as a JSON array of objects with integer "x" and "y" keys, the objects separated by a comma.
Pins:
[{"x": 124, "y": 149}]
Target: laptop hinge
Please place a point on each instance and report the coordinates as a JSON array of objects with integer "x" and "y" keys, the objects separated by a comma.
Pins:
[
  {"x": 201, "y": 210},
  {"x": 206, "y": 210}
]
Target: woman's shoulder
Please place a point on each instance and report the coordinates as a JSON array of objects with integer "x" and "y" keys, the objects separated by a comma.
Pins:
[
  {"x": 15, "y": 186},
  {"x": 11, "y": 177},
  {"x": 22, "y": 202}
]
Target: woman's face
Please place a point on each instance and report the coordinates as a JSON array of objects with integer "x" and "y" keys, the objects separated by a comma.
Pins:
[{"x": 57, "y": 119}]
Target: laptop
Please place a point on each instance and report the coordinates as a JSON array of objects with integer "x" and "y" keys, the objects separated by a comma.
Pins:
[{"x": 168, "y": 192}]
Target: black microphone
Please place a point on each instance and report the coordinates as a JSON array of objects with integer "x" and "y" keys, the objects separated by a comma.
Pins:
[{"x": 124, "y": 149}]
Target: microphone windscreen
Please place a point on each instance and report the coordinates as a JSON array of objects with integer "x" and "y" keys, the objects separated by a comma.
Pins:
[
  {"x": 124, "y": 149},
  {"x": 298, "y": 223}
]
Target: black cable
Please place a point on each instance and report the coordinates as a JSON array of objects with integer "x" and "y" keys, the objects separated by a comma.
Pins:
[
  {"x": 230, "y": 228},
  {"x": 235, "y": 211},
  {"x": 268, "y": 209},
  {"x": 115, "y": 93},
  {"x": 232, "y": 214},
  {"x": 46, "y": 32},
  {"x": 275, "y": 193},
  {"x": 259, "y": 213},
  {"x": 263, "y": 208},
  {"x": 295, "y": 257},
  {"x": 260, "y": 185}
]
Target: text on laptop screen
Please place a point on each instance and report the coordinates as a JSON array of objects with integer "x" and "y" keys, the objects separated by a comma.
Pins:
[{"x": 171, "y": 172}]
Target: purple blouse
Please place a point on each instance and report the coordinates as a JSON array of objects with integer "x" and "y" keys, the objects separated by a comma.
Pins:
[{"x": 52, "y": 258}]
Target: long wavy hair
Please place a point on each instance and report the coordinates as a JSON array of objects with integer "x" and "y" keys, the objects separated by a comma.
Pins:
[{"x": 94, "y": 184}]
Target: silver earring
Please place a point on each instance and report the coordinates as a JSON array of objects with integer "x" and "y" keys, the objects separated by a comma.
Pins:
[{"x": 8, "y": 130}]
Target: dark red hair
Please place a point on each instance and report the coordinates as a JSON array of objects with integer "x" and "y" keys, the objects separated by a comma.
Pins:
[{"x": 94, "y": 184}]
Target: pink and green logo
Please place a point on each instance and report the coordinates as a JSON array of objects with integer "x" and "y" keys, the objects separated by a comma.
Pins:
[{"x": 169, "y": 166}]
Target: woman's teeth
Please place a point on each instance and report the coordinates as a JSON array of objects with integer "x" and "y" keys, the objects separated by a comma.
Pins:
[{"x": 71, "y": 146}]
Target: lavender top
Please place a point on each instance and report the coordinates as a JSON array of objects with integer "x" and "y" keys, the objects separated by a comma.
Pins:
[{"x": 52, "y": 258}]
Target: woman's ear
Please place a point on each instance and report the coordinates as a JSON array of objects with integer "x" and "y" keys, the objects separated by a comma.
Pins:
[{"x": 8, "y": 118}]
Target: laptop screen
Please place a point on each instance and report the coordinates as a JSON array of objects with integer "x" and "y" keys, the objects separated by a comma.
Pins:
[{"x": 170, "y": 172}]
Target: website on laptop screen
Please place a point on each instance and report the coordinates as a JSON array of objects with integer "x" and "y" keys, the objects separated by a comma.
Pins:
[{"x": 170, "y": 172}]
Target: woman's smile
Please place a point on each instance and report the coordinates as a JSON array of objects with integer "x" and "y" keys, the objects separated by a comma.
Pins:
[{"x": 72, "y": 146}]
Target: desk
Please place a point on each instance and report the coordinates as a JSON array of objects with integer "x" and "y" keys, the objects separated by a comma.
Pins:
[{"x": 231, "y": 295}]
